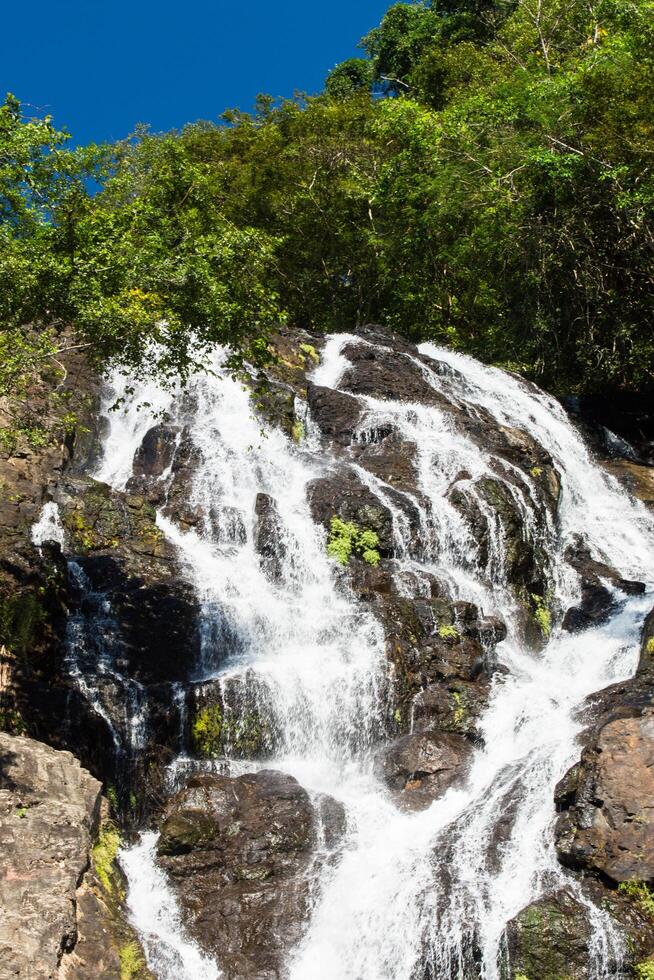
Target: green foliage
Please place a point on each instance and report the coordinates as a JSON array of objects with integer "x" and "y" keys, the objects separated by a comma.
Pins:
[
  {"x": 132, "y": 961},
  {"x": 649, "y": 646},
  {"x": 448, "y": 632},
  {"x": 104, "y": 854},
  {"x": 347, "y": 538},
  {"x": 499, "y": 200},
  {"x": 22, "y": 618},
  {"x": 641, "y": 893},
  {"x": 349, "y": 77},
  {"x": 542, "y": 615},
  {"x": 11, "y": 721},
  {"x": 644, "y": 970},
  {"x": 297, "y": 430},
  {"x": 215, "y": 732},
  {"x": 207, "y": 731}
]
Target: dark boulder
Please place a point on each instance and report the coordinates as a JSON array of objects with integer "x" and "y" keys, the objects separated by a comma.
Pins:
[
  {"x": 155, "y": 454},
  {"x": 336, "y": 414},
  {"x": 268, "y": 536},
  {"x": 341, "y": 493},
  {"x": 607, "y": 823},
  {"x": 418, "y": 768},
  {"x": 549, "y": 940},
  {"x": 238, "y": 852}
]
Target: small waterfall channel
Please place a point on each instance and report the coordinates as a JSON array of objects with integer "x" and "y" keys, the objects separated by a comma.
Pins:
[{"x": 412, "y": 895}]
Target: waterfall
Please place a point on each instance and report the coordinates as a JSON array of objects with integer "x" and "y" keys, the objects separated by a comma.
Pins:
[{"x": 414, "y": 894}]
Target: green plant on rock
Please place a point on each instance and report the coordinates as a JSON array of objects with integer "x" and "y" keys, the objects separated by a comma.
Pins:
[
  {"x": 347, "y": 538},
  {"x": 311, "y": 352},
  {"x": 644, "y": 970},
  {"x": 297, "y": 431},
  {"x": 207, "y": 731},
  {"x": 132, "y": 961},
  {"x": 22, "y": 619},
  {"x": 542, "y": 615},
  {"x": 104, "y": 854},
  {"x": 649, "y": 646},
  {"x": 459, "y": 708},
  {"x": 641, "y": 893},
  {"x": 448, "y": 632},
  {"x": 11, "y": 721}
]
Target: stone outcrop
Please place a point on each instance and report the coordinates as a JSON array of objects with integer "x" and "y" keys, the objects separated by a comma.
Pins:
[
  {"x": 607, "y": 799},
  {"x": 549, "y": 940},
  {"x": 419, "y": 767},
  {"x": 608, "y": 826},
  {"x": 239, "y": 854},
  {"x": 49, "y": 813}
]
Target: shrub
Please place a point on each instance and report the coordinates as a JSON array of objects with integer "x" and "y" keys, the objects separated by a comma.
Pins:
[{"x": 346, "y": 538}]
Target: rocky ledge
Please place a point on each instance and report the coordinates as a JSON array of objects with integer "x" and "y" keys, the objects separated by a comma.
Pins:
[{"x": 60, "y": 891}]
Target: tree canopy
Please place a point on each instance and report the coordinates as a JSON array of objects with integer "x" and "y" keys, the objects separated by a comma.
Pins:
[{"x": 482, "y": 178}]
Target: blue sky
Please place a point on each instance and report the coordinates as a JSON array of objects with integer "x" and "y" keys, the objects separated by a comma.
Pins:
[{"x": 101, "y": 67}]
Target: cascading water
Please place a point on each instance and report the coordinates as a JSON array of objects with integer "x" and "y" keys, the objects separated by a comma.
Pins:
[{"x": 413, "y": 894}]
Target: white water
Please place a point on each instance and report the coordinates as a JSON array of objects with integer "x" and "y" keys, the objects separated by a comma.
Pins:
[
  {"x": 169, "y": 951},
  {"x": 412, "y": 892},
  {"x": 48, "y": 527}
]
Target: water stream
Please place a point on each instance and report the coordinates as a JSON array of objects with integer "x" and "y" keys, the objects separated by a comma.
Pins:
[{"x": 413, "y": 895}]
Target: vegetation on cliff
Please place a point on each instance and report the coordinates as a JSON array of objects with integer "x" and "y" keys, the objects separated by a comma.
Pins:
[{"x": 482, "y": 178}]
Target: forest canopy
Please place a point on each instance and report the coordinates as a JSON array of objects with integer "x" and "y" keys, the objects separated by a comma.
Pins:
[{"x": 480, "y": 177}]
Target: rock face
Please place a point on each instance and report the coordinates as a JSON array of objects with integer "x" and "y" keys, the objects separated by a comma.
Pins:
[
  {"x": 420, "y": 767},
  {"x": 238, "y": 851},
  {"x": 607, "y": 799},
  {"x": 549, "y": 940},
  {"x": 609, "y": 825},
  {"x": 49, "y": 810}
]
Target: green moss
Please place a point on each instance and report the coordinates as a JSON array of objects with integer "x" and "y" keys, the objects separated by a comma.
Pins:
[
  {"x": 104, "y": 854},
  {"x": 542, "y": 615},
  {"x": 641, "y": 893},
  {"x": 132, "y": 961},
  {"x": 644, "y": 970},
  {"x": 22, "y": 618},
  {"x": 448, "y": 632},
  {"x": 297, "y": 431},
  {"x": 207, "y": 731},
  {"x": 213, "y": 732},
  {"x": 311, "y": 352},
  {"x": 347, "y": 538},
  {"x": 649, "y": 646},
  {"x": 459, "y": 708},
  {"x": 11, "y": 721},
  {"x": 536, "y": 471}
]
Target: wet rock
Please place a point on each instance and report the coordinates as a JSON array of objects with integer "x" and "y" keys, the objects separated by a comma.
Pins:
[
  {"x": 336, "y": 414},
  {"x": 178, "y": 506},
  {"x": 237, "y": 851},
  {"x": 391, "y": 459},
  {"x": 115, "y": 539},
  {"x": 454, "y": 707},
  {"x": 637, "y": 478},
  {"x": 343, "y": 494},
  {"x": 386, "y": 374},
  {"x": 549, "y": 940},
  {"x": 232, "y": 718},
  {"x": 49, "y": 810},
  {"x": 268, "y": 537},
  {"x": 594, "y": 572},
  {"x": 155, "y": 454},
  {"x": 598, "y": 603},
  {"x": 443, "y": 656},
  {"x": 418, "y": 768},
  {"x": 596, "y": 607},
  {"x": 274, "y": 403},
  {"x": 608, "y": 826}
]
